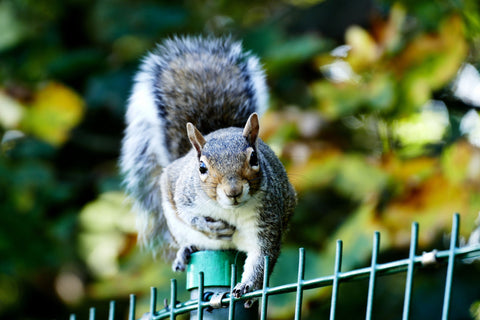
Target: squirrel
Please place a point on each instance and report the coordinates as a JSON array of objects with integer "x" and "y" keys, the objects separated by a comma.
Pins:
[{"x": 192, "y": 160}]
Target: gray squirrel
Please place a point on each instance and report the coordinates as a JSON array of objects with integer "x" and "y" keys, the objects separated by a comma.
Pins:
[{"x": 192, "y": 160}]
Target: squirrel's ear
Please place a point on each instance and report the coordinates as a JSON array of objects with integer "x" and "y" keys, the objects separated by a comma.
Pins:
[
  {"x": 250, "y": 132},
  {"x": 196, "y": 138}
]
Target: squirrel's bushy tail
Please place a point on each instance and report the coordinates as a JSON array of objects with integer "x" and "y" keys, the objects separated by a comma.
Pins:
[{"x": 208, "y": 81}]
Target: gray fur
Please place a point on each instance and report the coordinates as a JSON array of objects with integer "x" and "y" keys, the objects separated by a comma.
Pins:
[{"x": 211, "y": 83}]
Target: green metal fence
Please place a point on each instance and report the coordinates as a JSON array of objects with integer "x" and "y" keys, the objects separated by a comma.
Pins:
[{"x": 454, "y": 254}]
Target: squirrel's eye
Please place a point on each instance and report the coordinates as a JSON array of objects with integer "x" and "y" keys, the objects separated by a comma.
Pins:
[
  {"x": 253, "y": 159},
  {"x": 203, "y": 167}
]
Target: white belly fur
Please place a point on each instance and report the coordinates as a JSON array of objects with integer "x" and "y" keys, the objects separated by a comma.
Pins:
[{"x": 244, "y": 218}]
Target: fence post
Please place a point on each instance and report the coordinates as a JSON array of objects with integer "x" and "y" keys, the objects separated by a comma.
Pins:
[{"x": 214, "y": 268}]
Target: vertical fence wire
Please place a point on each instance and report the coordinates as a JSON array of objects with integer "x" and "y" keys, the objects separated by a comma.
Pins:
[
  {"x": 451, "y": 263},
  {"x": 173, "y": 298},
  {"x": 200, "y": 295},
  {"x": 91, "y": 314},
  {"x": 411, "y": 265},
  {"x": 263, "y": 314},
  {"x": 301, "y": 284},
  {"x": 131, "y": 308},
  {"x": 301, "y": 274},
  {"x": 373, "y": 271},
  {"x": 111, "y": 311},
  {"x": 233, "y": 281},
  {"x": 153, "y": 301},
  {"x": 336, "y": 278}
]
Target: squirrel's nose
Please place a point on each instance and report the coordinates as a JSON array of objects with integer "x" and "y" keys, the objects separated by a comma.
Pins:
[
  {"x": 233, "y": 189},
  {"x": 234, "y": 192}
]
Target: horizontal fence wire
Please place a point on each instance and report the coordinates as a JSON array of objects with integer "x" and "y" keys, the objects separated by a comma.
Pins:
[{"x": 334, "y": 280}]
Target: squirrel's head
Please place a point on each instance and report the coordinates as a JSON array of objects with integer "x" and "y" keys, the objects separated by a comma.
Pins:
[{"x": 228, "y": 162}]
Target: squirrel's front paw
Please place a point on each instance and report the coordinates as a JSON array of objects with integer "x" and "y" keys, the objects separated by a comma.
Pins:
[
  {"x": 183, "y": 258},
  {"x": 242, "y": 288},
  {"x": 214, "y": 229}
]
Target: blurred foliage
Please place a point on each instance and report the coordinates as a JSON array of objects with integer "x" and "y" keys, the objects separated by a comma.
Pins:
[{"x": 369, "y": 112}]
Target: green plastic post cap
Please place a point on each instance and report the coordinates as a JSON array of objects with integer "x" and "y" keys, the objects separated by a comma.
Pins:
[{"x": 216, "y": 266}]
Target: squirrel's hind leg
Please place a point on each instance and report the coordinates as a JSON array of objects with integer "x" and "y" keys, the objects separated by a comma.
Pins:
[{"x": 183, "y": 257}]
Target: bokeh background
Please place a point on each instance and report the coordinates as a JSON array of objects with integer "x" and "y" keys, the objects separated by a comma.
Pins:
[{"x": 374, "y": 111}]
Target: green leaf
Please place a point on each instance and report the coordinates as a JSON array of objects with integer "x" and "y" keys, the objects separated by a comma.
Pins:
[{"x": 12, "y": 28}]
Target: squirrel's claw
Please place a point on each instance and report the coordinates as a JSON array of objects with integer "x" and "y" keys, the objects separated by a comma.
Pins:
[
  {"x": 242, "y": 288},
  {"x": 249, "y": 303},
  {"x": 183, "y": 258}
]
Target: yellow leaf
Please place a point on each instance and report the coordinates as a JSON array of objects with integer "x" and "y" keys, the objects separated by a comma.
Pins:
[
  {"x": 389, "y": 32},
  {"x": 430, "y": 61},
  {"x": 364, "y": 50},
  {"x": 430, "y": 203},
  {"x": 461, "y": 164},
  {"x": 55, "y": 110},
  {"x": 105, "y": 223}
]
